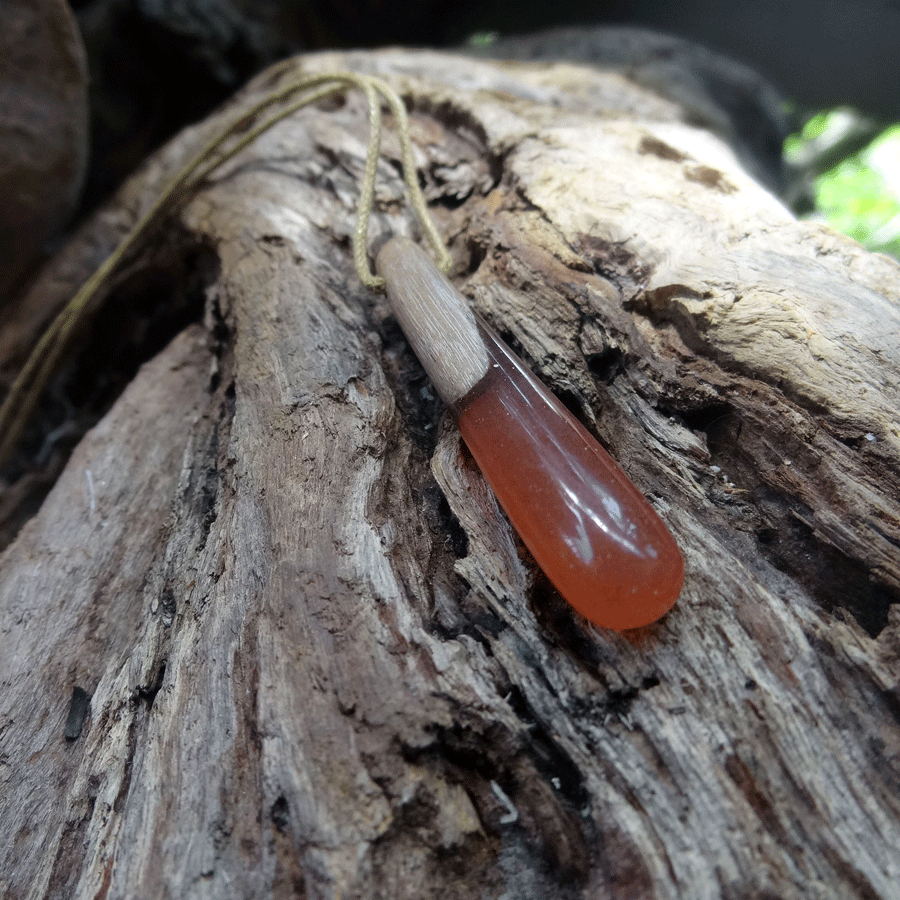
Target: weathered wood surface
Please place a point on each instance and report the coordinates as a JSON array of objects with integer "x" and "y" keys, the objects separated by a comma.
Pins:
[{"x": 317, "y": 658}]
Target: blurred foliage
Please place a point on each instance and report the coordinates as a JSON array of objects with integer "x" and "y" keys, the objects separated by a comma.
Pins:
[{"x": 860, "y": 196}]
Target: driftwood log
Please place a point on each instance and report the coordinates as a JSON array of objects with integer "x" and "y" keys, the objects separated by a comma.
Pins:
[{"x": 269, "y": 634}]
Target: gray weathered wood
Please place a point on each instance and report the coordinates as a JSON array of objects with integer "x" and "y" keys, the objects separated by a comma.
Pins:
[{"x": 319, "y": 663}]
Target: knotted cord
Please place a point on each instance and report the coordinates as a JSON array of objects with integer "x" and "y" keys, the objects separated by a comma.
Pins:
[{"x": 25, "y": 391}]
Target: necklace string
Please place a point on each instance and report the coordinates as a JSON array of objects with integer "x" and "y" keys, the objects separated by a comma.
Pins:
[{"x": 44, "y": 359}]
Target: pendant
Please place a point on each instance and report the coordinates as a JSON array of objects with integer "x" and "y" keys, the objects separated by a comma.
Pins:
[{"x": 587, "y": 526}]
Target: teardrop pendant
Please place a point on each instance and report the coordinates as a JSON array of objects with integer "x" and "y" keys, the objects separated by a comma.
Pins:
[{"x": 588, "y": 527}]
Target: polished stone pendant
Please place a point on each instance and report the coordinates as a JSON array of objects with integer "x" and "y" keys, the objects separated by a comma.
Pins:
[{"x": 588, "y": 527}]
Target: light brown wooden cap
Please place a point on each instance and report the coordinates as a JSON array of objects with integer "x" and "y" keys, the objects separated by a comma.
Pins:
[{"x": 435, "y": 317}]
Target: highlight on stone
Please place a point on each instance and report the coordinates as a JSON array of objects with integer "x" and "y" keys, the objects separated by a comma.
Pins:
[{"x": 588, "y": 527}]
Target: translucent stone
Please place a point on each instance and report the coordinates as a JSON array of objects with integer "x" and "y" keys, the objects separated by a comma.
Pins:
[
  {"x": 588, "y": 527},
  {"x": 586, "y": 524}
]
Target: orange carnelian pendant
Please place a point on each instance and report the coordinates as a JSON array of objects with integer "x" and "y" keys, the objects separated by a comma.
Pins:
[{"x": 588, "y": 527}]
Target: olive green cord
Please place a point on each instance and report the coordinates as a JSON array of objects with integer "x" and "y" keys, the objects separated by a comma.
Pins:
[{"x": 238, "y": 134}]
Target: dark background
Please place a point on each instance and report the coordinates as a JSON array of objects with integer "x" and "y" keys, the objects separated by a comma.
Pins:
[{"x": 157, "y": 65}]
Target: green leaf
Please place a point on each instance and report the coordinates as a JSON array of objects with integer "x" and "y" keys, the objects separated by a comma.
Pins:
[{"x": 861, "y": 195}]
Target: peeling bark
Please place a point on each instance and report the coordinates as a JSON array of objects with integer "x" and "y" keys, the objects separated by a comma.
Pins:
[{"x": 319, "y": 662}]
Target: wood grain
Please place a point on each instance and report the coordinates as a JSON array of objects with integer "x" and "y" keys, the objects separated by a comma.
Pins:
[{"x": 318, "y": 658}]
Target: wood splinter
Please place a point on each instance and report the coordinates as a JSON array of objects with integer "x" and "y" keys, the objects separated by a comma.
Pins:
[{"x": 588, "y": 527}]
